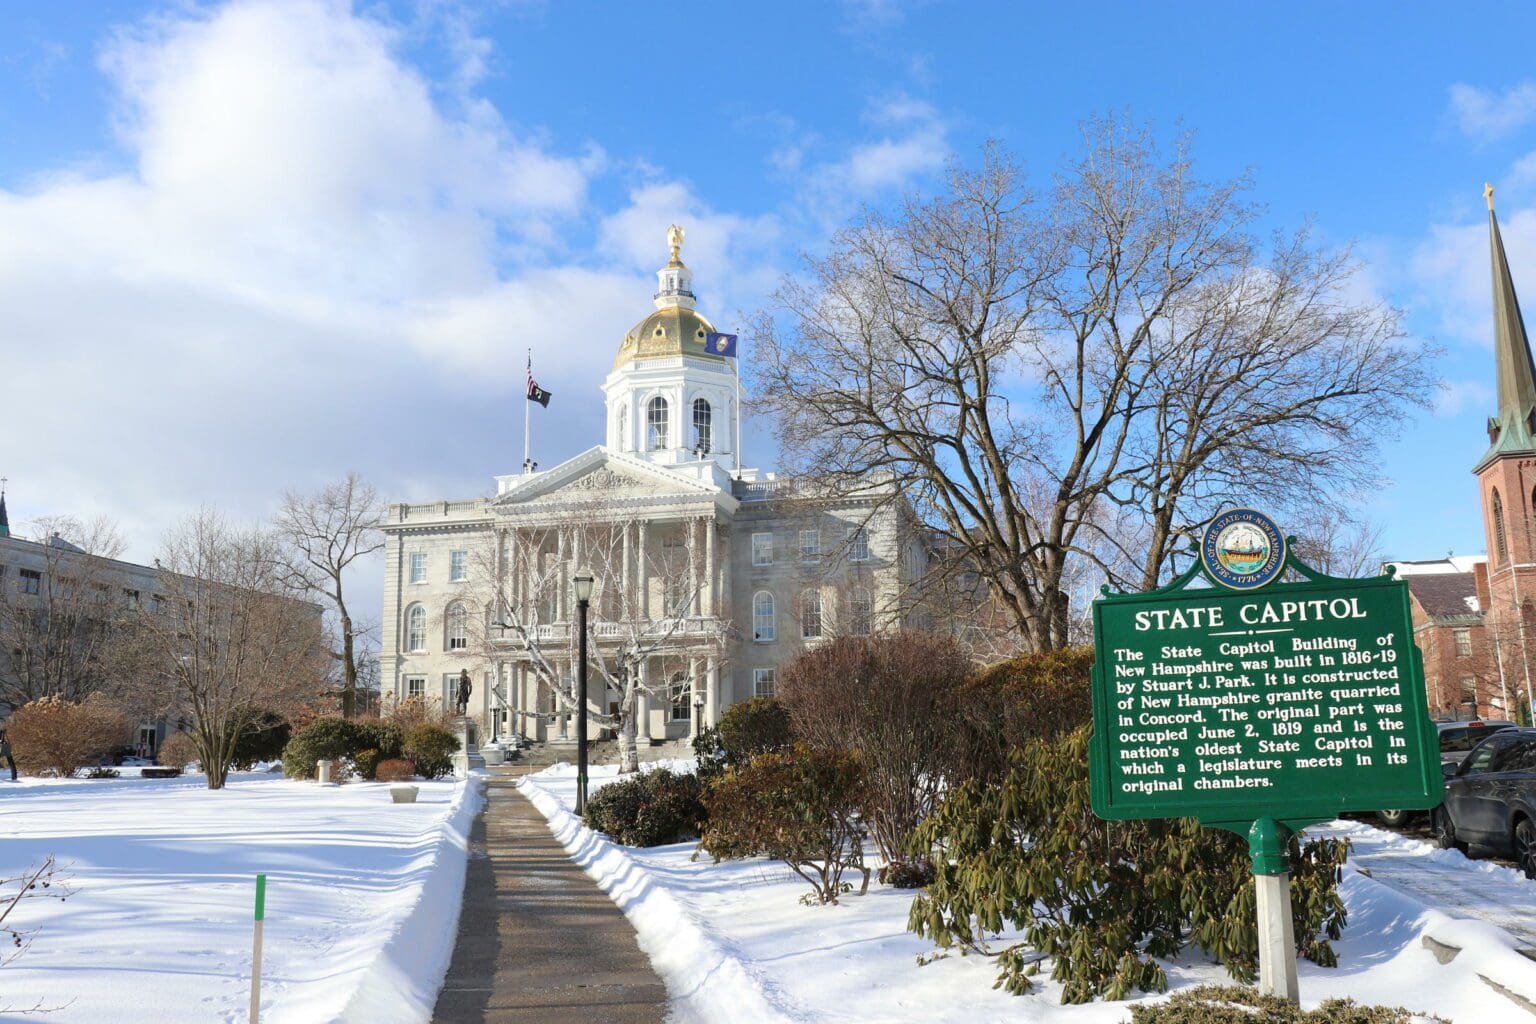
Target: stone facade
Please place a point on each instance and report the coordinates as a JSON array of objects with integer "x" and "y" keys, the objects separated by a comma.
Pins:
[{"x": 722, "y": 572}]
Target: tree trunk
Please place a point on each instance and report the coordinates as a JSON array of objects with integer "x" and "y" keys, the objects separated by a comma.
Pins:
[
  {"x": 349, "y": 669},
  {"x": 629, "y": 757}
]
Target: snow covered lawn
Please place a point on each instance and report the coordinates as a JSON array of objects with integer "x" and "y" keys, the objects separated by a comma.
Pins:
[
  {"x": 734, "y": 944},
  {"x": 362, "y": 897}
]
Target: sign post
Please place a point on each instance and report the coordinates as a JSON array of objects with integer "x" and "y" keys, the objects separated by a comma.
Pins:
[
  {"x": 261, "y": 912},
  {"x": 1260, "y": 707}
]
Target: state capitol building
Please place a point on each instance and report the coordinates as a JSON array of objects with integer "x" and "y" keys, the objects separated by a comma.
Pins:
[{"x": 719, "y": 574}]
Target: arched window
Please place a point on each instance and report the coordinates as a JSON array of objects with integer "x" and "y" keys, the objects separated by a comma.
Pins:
[
  {"x": 702, "y": 431},
  {"x": 656, "y": 424},
  {"x": 1501, "y": 546},
  {"x": 416, "y": 628},
  {"x": 810, "y": 614},
  {"x": 458, "y": 627},
  {"x": 764, "y": 625}
]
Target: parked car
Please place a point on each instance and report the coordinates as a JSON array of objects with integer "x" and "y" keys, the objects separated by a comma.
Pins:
[
  {"x": 1490, "y": 799},
  {"x": 1456, "y": 740}
]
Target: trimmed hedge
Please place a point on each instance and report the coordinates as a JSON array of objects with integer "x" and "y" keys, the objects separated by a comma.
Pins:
[{"x": 1230, "y": 1004}]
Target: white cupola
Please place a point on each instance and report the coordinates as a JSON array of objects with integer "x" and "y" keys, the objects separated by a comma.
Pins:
[{"x": 669, "y": 399}]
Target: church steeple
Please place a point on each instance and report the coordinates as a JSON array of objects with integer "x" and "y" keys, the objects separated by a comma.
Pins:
[
  {"x": 1512, "y": 429},
  {"x": 5, "y": 518}
]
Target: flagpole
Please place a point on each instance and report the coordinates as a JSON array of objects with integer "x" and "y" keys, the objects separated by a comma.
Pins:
[
  {"x": 738, "y": 410},
  {"x": 527, "y": 411}
]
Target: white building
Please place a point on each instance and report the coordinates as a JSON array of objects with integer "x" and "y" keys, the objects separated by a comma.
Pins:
[{"x": 732, "y": 571}]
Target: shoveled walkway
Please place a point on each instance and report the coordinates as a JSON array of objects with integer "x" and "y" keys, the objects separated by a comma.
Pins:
[{"x": 538, "y": 940}]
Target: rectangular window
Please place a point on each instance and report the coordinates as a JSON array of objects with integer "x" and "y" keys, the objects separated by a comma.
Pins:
[
  {"x": 682, "y": 699},
  {"x": 764, "y": 628},
  {"x": 31, "y": 581},
  {"x": 810, "y": 545},
  {"x": 416, "y": 686},
  {"x": 1463, "y": 643},
  {"x": 130, "y": 598},
  {"x": 862, "y": 613},
  {"x": 810, "y": 614},
  {"x": 858, "y": 544},
  {"x": 157, "y": 604},
  {"x": 762, "y": 549},
  {"x": 1469, "y": 690},
  {"x": 457, "y": 566},
  {"x": 418, "y": 567},
  {"x": 763, "y": 680}
]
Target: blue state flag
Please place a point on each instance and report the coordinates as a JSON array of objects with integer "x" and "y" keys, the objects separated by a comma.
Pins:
[{"x": 720, "y": 345}]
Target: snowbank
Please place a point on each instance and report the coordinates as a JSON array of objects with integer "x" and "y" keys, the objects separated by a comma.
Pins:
[
  {"x": 733, "y": 943},
  {"x": 361, "y": 893}
]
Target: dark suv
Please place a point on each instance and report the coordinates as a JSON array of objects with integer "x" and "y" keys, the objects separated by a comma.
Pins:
[
  {"x": 1456, "y": 740},
  {"x": 1490, "y": 798}
]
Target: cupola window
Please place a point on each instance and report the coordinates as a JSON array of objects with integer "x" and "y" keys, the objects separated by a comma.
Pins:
[
  {"x": 656, "y": 424},
  {"x": 702, "y": 430}
]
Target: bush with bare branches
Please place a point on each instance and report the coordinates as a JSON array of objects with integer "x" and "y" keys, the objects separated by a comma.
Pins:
[
  {"x": 889, "y": 699},
  {"x": 55, "y": 736}
]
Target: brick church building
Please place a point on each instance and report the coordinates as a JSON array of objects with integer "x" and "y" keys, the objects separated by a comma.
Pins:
[{"x": 1475, "y": 618}]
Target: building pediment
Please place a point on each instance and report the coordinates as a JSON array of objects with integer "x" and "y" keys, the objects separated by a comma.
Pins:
[{"x": 603, "y": 481}]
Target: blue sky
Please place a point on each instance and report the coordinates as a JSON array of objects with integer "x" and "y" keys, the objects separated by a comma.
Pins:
[{"x": 249, "y": 246}]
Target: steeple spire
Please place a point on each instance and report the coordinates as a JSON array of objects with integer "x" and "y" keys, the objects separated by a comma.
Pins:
[
  {"x": 5, "y": 519},
  {"x": 1511, "y": 430}
]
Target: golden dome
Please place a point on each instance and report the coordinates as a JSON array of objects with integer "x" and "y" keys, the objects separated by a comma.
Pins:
[{"x": 673, "y": 331}]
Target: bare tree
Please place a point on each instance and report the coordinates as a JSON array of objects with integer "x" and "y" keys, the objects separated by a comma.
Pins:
[
  {"x": 631, "y": 632},
  {"x": 1335, "y": 543},
  {"x": 58, "y": 614},
  {"x": 1073, "y": 378},
  {"x": 229, "y": 643},
  {"x": 324, "y": 535},
  {"x": 44, "y": 881}
]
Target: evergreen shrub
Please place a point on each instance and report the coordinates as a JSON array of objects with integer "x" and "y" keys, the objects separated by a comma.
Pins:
[
  {"x": 263, "y": 740},
  {"x": 430, "y": 748},
  {"x": 1102, "y": 900},
  {"x": 799, "y": 806},
  {"x": 366, "y": 763},
  {"x": 758, "y": 726},
  {"x": 648, "y": 809},
  {"x": 1229, "y": 1004},
  {"x": 327, "y": 739}
]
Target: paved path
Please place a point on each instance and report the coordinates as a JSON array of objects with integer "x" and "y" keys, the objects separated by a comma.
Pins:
[{"x": 538, "y": 940}]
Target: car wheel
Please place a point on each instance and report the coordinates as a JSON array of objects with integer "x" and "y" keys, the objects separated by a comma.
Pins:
[
  {"x": 1394, "y": 819},
  {"x": 1525, "y": 846},
  {"x": 1445, "y": 831}
]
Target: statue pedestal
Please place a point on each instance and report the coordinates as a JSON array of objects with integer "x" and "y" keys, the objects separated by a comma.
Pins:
[{"x": 468, "y": 756}]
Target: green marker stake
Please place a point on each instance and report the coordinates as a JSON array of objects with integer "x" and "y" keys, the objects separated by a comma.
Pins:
[{"x": 261, "y": 912}]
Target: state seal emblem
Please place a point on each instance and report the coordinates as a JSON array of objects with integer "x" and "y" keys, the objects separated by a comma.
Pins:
[{"x": 1243, "y": 549}]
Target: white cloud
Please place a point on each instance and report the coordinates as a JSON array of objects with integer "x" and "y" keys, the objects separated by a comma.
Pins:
[
  {"x": 300, "y": 273},
  {"x": 1458, "y": 396},
  {"x": 1484, "y": 114}
]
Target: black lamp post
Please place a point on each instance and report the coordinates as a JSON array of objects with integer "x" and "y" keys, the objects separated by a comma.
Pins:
[
  {"x": 582, "y": 584},
  {"x": 698, "y": 711}
]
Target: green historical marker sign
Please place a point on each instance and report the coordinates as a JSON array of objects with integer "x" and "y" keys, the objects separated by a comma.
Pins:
[{"x": 1250, "y": 700}]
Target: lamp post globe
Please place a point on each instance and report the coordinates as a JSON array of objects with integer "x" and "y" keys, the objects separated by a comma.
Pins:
[{"x": 581, "y": 585}]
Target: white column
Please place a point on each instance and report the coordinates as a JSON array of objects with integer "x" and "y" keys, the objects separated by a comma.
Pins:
[
  {"x": 712, "y": 707},
  {"x": 643, "y": 706},
  {"x": 642, "y": 570},
  {"x": 558, "y": 577},
  {"x": 1277, "y": 937},
  {"x": 708, "y": 608},
  {"x": 692, "y": 526},
  {"x": 626, "y": 606}
]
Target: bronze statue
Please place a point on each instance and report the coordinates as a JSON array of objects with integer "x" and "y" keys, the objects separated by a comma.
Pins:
[{"x": 465, "y": 688}]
